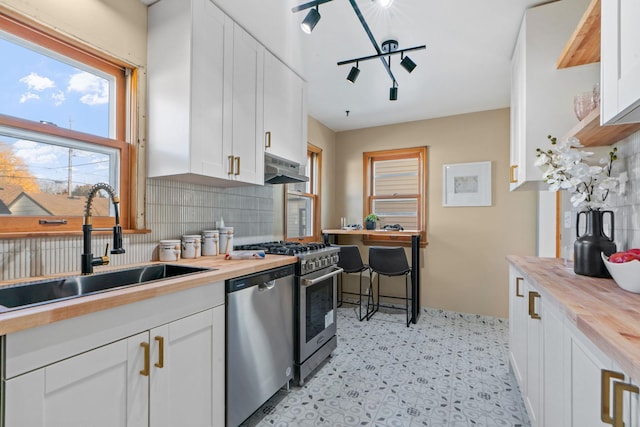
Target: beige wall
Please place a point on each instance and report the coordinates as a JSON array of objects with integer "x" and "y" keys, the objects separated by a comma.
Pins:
[{"x": 463, "y": 266}]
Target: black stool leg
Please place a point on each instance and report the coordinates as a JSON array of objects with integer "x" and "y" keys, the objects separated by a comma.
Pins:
[{"x": 406, "y": 299}]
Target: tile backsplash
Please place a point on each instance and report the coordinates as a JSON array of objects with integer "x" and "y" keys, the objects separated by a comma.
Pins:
[
  {"x": 626, "y": 206},
  {"x": 172, "y": 210}
]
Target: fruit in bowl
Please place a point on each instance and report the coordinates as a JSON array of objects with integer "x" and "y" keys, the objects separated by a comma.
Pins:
[{"x": 624, "y": 267}]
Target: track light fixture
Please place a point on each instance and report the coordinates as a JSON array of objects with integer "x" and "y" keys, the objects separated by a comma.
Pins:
[
  {"x": 310, "y": 21},
  {"x": 384, "y": 51},
  {"x": 393, "y": 92},
  {"x": 354, "y": 73},
  {"x": 407, "y": 63}
]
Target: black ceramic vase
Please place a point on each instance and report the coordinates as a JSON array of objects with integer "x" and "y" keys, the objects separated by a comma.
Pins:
[
  {"x": 370, "y": 225},
  {"x": 587, "y": 247}
]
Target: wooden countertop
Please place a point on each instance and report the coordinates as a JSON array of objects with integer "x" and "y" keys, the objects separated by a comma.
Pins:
[
  {"x": 16, "y": 320},
  {"x": 608, "y": 315},
  {"x": 373, "y": 232}
]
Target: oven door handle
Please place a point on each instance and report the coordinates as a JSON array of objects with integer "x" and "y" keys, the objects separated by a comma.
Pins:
[{"x": 311, "y": 282}]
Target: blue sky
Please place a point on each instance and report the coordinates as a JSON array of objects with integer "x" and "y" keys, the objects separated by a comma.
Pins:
[{"x": 36, "y": 87}]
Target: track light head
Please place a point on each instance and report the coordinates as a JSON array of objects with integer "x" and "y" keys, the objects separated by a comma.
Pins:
[
  {"x": 393, "y": 92},
  {"x": 353, "y": 74},
  {"x": 408, "y": 64},
  {"x": 310, "y": 21}
]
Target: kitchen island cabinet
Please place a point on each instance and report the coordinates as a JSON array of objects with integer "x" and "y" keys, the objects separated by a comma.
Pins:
[{"x": 588, "y": 350}]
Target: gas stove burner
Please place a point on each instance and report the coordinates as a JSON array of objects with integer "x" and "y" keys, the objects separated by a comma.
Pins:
[{"x": 283, "y": 248}]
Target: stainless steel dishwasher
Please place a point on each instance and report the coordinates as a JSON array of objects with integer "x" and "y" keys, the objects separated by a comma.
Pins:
[{"x": 259, "y": 339}]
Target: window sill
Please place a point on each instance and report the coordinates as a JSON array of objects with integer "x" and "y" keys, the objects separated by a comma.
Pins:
[{"x": 67, "y": 233}]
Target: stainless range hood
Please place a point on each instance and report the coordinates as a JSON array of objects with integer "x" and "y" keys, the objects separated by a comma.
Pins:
[{"x": 280, "y": 171}]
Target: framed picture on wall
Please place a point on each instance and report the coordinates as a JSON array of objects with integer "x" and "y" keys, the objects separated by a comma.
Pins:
[{"x": 466, "y": 184}]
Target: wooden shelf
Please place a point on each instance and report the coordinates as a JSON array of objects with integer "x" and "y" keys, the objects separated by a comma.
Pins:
[
  {"x": 591, "y": 134},
  {"x": 584, "y": 45}
]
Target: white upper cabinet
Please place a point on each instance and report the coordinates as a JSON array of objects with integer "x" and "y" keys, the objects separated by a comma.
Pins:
[
  {"x": 620, "y": 61},
  {"x": 542, "y": 96},
  {"x": 205, "y": 95},
  {"x": 285, "y": 115}
]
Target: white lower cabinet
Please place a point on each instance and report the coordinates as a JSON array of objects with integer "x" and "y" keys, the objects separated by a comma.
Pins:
[
  {"x": 158, "y": 362},
  {"x": 533, "y": 323},
  {"x": 564, "y": 378},
  {"x": 97, "y": 388},
  {"x": 168, "y": 376}
]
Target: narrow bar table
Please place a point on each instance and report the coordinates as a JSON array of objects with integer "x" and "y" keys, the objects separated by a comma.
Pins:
[{"x": 415, "y": 258}]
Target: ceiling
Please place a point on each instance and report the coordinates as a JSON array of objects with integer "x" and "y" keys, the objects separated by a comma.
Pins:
[{"x": 465, "y": 67}]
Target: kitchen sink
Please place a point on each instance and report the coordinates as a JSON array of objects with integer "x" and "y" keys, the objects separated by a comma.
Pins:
[{"x": 29, "y": 294}]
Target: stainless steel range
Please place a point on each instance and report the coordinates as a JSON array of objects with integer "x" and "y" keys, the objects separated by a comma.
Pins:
[{"x": 315, "y": 301}]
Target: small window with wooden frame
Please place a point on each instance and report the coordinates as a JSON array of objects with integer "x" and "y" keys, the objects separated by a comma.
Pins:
[
  {"x": 65, "y": 119},
  {"x": 395, "y": 185},
  {"x": 302, "y": 202}
]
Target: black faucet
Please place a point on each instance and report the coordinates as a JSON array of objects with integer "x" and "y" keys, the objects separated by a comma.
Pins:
[{"x": 87, "y": 258}]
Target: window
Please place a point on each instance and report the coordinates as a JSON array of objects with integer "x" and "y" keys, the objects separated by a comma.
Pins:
[
  {"x": 395, "y": 185},
  {"x": 63, "y": 128},
  {"x": 302, "y": 202}
]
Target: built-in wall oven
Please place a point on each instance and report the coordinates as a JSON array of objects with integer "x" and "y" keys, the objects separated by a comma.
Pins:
[{"x": 315, "y": 301}]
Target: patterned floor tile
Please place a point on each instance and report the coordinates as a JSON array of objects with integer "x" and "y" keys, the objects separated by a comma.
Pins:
[{"x": 450, "y": 369}]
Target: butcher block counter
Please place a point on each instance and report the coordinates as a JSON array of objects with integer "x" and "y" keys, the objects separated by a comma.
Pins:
[
  {"x": 606, "y": 314},
  {"x": 26, "y": 318}
]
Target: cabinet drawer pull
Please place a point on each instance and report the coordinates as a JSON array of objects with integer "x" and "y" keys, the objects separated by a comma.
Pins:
[
  {"x": 532, "y": 305},
  {"x": 618, "y": 389},
  {"x": 145, "y": 372},
  {"x": 605, "y": 396},
  {"x": 160, "y": 363},
  {"x": 267, "y": 137},
  {"x": 512, "y": 174},
  {"x": 237, "y": 172},
  {"x": 518, "y": 281},
  {"x": 230, "y": 165}
]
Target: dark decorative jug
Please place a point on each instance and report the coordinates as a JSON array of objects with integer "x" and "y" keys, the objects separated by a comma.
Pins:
[{"x": 587, "y": 247}]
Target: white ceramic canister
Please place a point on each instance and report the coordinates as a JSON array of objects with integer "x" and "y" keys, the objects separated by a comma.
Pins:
[
  {"x": 226, "y": 239},
  {"x": 191, "y": 245},
  {"x": 169, "y": 250},
  {"x": 210, "y": 242}
]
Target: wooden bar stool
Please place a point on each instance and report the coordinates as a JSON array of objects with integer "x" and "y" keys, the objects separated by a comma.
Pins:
[
  {"x": 386, "y": 261},
  {"x": 351, "y": 262}
]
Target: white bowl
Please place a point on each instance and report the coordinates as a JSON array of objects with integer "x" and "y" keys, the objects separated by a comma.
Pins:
[{"x": 625, "y": 274}]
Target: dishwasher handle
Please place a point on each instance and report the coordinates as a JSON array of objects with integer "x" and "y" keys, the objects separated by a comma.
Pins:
[
  {"x": 311, "y": 282},
  {"x": 266, "y": 286}
]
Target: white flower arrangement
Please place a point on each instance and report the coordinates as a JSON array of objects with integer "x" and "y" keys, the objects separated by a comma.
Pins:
[{"x": 567, "y": 169}]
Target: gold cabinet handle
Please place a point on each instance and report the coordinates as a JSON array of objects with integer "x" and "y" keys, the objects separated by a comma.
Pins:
[
  {"x": 160, "y": 363},
  {"x": 618, "y": 389},
  {"x": 518, "y": 281},
  {"x": 237, "y": 172},
  {"x": 230, "y": 165},
  {"x": 512, "y": 174},
  {"x": 145, "y": 372},
  {"x": 532, "y": 305},
  {"x": 267, "y": 137},
  {"x": 605, "y": 396}
]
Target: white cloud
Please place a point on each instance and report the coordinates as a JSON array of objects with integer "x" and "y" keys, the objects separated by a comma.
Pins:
[
  {"x": 58, "y": 97},
  {"x": 37, "y": 82},
  {"x": 27, "y": 96},
  {"x": 94, "y": 89},
  {"x": 34, "y": 153}
]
